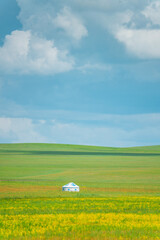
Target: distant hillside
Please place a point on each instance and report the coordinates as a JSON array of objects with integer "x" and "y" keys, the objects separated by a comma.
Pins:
[{"x": 44, "y": 147}]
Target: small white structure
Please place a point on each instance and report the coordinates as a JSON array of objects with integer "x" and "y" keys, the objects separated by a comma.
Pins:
[{"x": 70, "y": 187}]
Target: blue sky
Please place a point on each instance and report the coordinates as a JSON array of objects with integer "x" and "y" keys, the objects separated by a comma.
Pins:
[{"x": 80, "y": 72}]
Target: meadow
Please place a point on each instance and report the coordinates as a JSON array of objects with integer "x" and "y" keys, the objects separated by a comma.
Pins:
[{"x": 119, "y": 194}]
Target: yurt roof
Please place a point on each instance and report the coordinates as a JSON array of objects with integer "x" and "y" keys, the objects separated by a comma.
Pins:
[{"x": 71, "y": 184}]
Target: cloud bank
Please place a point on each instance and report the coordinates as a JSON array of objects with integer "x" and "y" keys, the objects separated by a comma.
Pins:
[{"x": 102, "y": 130}]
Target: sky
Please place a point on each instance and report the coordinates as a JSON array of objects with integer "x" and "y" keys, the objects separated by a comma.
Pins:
[{"x": 80, "y": 72}]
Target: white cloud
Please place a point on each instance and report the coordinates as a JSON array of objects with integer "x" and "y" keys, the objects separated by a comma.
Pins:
[
  {"x": 152, "y": 11},
  {"x": 27, "y": 53},
  {"x": 94, "y": 66},
  {"x": 71, "y": 24},
  {"x": 19, "y": 130},
  {"x": 143, "y": 43}
]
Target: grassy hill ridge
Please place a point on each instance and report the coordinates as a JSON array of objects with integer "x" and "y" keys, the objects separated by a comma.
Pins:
[{"x": 75, "y": 148}]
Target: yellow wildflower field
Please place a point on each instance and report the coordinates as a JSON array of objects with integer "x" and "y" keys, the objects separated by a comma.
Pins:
[
  {"x": 76, "y": 218},
  {"x": 81, "y": 226}
]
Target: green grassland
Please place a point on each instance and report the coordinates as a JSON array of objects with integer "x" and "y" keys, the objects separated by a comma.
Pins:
[
  {"x": 120, "y": 184},
  {"x": 40, "y": 170}
]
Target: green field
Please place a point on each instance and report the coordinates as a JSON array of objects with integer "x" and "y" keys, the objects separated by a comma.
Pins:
[{"x": 119, "y": 194}]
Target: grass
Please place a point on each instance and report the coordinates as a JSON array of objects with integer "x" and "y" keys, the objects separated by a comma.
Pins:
[{"x": 119, "y": 194}]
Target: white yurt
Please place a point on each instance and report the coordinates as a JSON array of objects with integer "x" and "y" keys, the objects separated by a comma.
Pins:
[{"x": 70, "y": 187}]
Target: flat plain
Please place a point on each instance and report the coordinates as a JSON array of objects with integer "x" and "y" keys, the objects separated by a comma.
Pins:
[{"x": 119, "y": 194}]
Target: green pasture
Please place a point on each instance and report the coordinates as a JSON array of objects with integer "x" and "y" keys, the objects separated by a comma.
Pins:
[{"x": 40, "y": 170}]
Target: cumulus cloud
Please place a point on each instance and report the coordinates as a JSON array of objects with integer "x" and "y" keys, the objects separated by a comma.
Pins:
[
  {"x": 72, "y": 25},
  {"x": 141, "y": 33},
  {"x": 26, "y": 53},
  {"x": 143, "y": 43},
  {"x": 152, "y": 11}
]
